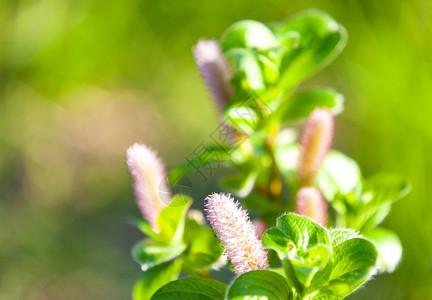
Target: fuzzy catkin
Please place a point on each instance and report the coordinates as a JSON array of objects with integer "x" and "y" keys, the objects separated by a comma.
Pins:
[
  {"x": 311, "y": 203},
  {"x": 214, "y": 70},
  {"x": 236, "y": 232},
  {"x": 315, "y": 142},
  {"x": 149, "y": 182}
]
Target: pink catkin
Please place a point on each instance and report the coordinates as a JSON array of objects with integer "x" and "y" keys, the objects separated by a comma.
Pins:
[
  {"x": 315, "y": 142},
  {"x": 236, "y": 232},
  {"x": 311, "y": 203},
  {"x": 149, "y": 182},
  {"x": 214, "y": 70}
]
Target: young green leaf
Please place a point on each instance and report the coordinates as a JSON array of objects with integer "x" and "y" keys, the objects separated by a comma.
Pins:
[
  {"x": 149, "y": 252},
  {"x": 286, "y": 156},
  {"x": 375, "y": 202},
  {"x": 145, "y": 227},
  {"x": 302, "y": 245},
  {"x": 294, "y": 234},
  {"x": 172, "y": 218},
  {"x": 389, "y": 248},
  {"x": 203, "y": 248},
  {"x": 248, "y": 34},
  {"x": 321, "y": 40},
  {"x": 260, "y": 284},
  {"x": 367, "y": 216},
  {"x": 340, "y": 235},
  {"x": 353, "y": 263},
  {"x": 302, "y": 104},
  {"x": 154, "y": 278},
  {"x": 243, "y": 118},
  {"x": 191, "y": 288},
  {"x": 339, "y": 174},
  {"x": 385, "y": 188},
  {"x": 306, "y": 266},
  {"x": 322, "y": 294},
  {"x": 246, "y": 69}
]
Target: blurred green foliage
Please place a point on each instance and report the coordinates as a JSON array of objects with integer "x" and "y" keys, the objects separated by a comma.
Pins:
[{"x": 82, "y": 80}]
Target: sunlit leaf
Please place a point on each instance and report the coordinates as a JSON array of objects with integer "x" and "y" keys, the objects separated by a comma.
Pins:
[
  {"x": 353, "y": 263},
  {"x": 389, "y": 248},
  {"x": 260, "y": 284},
  {"x": 306, "y": 266},
  {"x": 154, "y": 278},
  {"x": 171, "y": 219},
  {"x": 191, "y": 289},
  {"x": 203, "y": 248},
  {"x": 247, "y": 72},
  {"x": 321, "y": 40},
  {"x": 149, "y": 252},
  {"x": 244, "y": 119},
  {"x": 248, "y": 34},
  {"x": 339, "y": 174},
  {"x": 340, "y": 235}
]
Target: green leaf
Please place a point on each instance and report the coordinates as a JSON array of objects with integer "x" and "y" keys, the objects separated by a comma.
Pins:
[
  {"x": 302, "y": 245},
  {"x": 375, "y": 202},
  {"x": 172, "y": 218},
  {"x": 246, "y": 68},
  {"x": 389, "y": 248},
  {"x": 339, "y": 174},
  {"x": 260, "y": 284},
  {"x": 340, "y": 235},
  {"x": 154, "y": 278},
  {"x": 150, "y": 252},
  {"x": 302, "y": 104},
  {"x": 203, "y": 248},
  {"x": 191, "y": 289},
  {"x": 248, "y": 34},
  {"x": 321, "y": 40},
  {"x": 306, "y": 266},
  {"x": 366, "y": 217},
  {"x": 322, "y": 294},
  {"x": 286, "y": 155},
  {"x": 145, "y": 227},
  {"x": 270, "y": 69},
  {"x": 293, "y": 235},
  {"x": 384, "y": 187},
  {"x": 243, "y": 118},
  {"x": 353, "y": 263}
]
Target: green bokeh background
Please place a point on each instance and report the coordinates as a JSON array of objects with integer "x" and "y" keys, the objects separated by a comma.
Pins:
[{"x": 80, "y": 80}]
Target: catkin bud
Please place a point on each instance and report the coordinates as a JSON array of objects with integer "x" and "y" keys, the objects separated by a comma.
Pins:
[
  {"x": 149, "y": 182},
  {"x": 236, "y": 232},
  {"x": 311, "y": 203},
  {"x": 214, "y": 70},
  {"x": 260, "y": 228},
  {"x": 315, "y": 142}
]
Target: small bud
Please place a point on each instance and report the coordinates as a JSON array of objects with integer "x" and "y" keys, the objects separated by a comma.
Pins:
[
  {"x": 214, "y": 70},
  {"x": 311, "y": 203},
  {"x": 315, "y": 142},
  {"x": 260, "y": 227},
  {"x": 236, "y": 232},
  {"x": 149, "y": 182}
]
